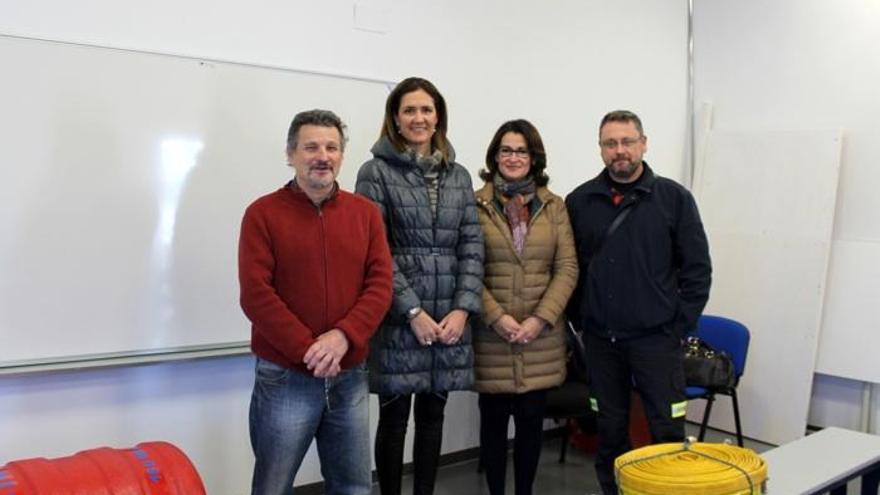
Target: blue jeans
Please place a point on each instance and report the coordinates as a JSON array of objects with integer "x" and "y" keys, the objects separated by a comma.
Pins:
[{"x": 290, "y": 408}]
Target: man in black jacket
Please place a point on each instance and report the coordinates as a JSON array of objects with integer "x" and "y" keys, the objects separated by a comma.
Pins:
[{"x": 644, "y": 280}]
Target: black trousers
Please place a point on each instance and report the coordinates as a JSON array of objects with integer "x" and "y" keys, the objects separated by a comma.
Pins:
[
  {"x": 653, "y": 363},
  {"x": 527, "y": 410},
  {"x": 391, "y": 433}
]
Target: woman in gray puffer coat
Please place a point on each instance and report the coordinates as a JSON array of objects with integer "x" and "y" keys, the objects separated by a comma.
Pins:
[{"x": 423, "y": 346}]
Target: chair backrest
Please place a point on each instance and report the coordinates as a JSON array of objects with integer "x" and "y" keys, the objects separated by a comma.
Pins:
[
  {"x": 577, "y": 356},
  {"x": 727, "y": 335},
  {"x": 572, "y": 397}
]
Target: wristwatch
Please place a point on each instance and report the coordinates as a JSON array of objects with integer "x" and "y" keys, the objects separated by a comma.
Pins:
[{"x": 411, "y": 313}]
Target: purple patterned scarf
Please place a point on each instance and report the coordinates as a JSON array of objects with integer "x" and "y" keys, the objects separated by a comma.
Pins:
[{"x": 518, "y": 195}]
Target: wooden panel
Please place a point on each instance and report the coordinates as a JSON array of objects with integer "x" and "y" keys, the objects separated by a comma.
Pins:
[
  {"x": 850, "y": 337},
  {"x": 769, "y": 226}
]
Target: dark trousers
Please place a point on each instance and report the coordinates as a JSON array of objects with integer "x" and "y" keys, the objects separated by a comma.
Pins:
[
  {"x": 528, "y": 416},
  {"x": 390, "y": 435},
  {"x": 654, "y": 364}
]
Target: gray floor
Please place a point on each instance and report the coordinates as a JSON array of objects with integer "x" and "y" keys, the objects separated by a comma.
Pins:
[{"x": 576, "y": 476}]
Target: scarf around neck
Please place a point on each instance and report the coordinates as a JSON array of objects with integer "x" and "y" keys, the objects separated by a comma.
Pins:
[
  {"x": 430, "y": 166},
  {"x": 518, "y": 195}
]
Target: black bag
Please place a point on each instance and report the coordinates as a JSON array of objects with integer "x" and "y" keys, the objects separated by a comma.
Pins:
[{"x": 705, "y": 367}]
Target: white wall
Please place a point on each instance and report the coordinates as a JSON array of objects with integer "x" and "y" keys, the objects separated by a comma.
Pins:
[
  {"x": 199, "y": 406},
  {"x": 808, "y": 65},
  {"x": 562, "y": 65}
]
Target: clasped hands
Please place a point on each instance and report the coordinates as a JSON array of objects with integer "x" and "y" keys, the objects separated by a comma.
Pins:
[
  {"x": 518, "y": 333},
  {"x": 324, "y": 355},
  {"x": 448, "y": 331}
]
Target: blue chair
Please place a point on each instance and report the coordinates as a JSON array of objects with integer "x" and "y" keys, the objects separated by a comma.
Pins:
[{"x": 732, "y": 337}]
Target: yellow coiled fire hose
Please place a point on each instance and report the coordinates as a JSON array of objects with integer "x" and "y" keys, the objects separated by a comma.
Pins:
[{"x": 690, "y": 469}]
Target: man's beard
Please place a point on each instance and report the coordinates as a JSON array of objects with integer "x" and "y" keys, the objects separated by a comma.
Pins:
[{"x": 623, "y": 173}]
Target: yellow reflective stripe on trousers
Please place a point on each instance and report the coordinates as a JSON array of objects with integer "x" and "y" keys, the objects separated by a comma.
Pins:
[
  {"x": 594, "y": 404},
  {"x": 679, "y": 409}
]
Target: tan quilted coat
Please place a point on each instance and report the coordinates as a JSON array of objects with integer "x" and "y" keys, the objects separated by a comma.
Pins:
[{"x": 538, "y": 283}]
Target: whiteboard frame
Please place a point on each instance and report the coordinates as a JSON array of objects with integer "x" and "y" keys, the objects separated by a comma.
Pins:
[
  {"x": 125, "y": 358},
  {"x": 339, "y": 75}
]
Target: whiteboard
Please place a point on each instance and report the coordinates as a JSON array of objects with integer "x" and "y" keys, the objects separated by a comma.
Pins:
[
  {"x": 123, "y": 179},
  {"x": 767, "y": 202}
]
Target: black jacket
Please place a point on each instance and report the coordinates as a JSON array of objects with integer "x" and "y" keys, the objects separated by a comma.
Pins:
[
  {"x": 438, "y": 266},
  {"x": 653, "y": 274}
]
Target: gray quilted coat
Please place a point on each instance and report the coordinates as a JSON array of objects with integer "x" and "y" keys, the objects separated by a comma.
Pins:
[{"x": 438, "y": 266}]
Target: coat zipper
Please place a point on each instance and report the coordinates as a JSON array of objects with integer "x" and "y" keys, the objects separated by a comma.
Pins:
[
  {"x": 324, "y": 266},
  {"x": 434, "y": 214}
]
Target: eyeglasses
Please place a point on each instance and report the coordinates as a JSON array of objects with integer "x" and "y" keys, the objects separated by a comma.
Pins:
[
  {"x": 612, "y": 144},
  {"x": 505, "y": 152}
]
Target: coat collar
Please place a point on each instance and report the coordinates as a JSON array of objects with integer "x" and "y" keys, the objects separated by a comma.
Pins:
[
  {"x": 296, "y": 194},
  {"x": 385, "y": 150},
  {"x": 487, "y": 193},
  {"x": 601, "y": 184}
]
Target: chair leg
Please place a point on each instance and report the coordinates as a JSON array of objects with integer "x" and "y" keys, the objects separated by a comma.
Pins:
[
  {"x": 709, "y": 400},
  {"x": 566, "y": 433},
  {"x": 739, "y": 432}
]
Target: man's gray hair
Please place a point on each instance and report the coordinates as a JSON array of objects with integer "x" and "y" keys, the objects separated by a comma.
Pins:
[
  {"x": 622, "y": 116},
  {"x": 323, "y": 118}
]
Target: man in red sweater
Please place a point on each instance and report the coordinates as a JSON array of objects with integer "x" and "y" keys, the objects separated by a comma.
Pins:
[{"x": 315, "y": 274}]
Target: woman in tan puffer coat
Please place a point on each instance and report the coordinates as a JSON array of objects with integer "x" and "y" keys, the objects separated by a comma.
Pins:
[{"x": 530, "y": 272}]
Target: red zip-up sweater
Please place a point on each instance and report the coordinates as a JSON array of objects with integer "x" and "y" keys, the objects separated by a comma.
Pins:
[{"x": 305, "y": 270}]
